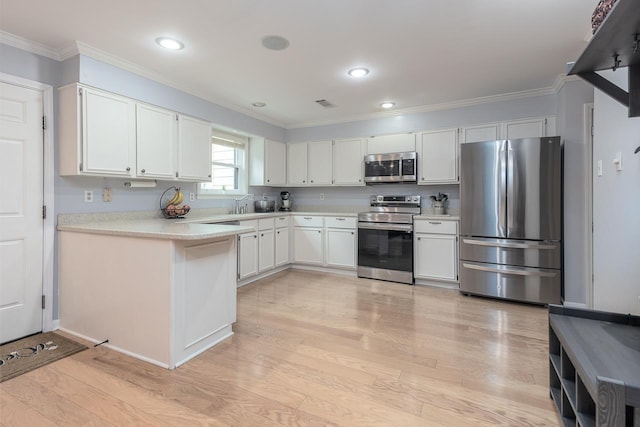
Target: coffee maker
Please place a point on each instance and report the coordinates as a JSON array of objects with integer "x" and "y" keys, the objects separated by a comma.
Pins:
[{"x": 285, "y": 202}]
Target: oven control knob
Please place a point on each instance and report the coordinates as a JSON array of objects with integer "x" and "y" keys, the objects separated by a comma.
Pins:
[{"x": 380, "y": 199}]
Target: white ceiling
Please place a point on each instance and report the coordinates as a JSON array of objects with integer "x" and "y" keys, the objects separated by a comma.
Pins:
[{"x": 421, "y": 53}]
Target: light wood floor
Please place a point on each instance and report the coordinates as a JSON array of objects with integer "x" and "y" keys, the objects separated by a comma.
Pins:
[{"x": 318, "y": 349}]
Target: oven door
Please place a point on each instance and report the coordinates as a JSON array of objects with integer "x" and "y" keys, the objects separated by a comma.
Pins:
[{"x": 385, "y": 251}]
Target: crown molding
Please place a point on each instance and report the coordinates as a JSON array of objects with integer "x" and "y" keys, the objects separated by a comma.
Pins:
[
  {"x": 434, "y": 107},
  {"x": 29, "y": 46}
]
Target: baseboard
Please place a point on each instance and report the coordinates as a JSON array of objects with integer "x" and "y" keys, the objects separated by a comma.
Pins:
[
  {"x": 263, "y": 275},
  {"x": 574, "y": 304},
  {"x": 118, "y": 349},
  {"x": 346, "y": 272},
  {"x": 436, "y": 284}
]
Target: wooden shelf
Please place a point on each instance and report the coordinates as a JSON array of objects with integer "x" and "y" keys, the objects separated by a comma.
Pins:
[
  {"x": 616, "y": 39},
  {"x": 594, "y": 366}
]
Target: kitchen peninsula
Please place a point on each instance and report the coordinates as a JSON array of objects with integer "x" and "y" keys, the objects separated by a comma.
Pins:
[{"x": 157, "y": 290}]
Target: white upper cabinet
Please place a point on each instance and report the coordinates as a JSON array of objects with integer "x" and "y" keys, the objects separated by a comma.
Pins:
[
  {"x": 157, "y": 142},
  {"x": 398, "y": 143},
  {"x": 348, "y": 155},
  {"x": 267, "y": 162},
  {"x": 438, "y": 157},
  {"x": 529, "y": 128},
  {"x": 478, "y": 133},
  {"x": 319, "y": 159},
  {"x": 103, "y": 134},
  {"x": 525, "y": 128},
  {"x": 194, "y": 149},
  {"x": 297, "y": 164},
  {"x": 97, "y": 133}
]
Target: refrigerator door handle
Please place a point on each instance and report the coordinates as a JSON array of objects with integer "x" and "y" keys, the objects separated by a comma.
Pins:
[
  {"x": 504, "y": 182},
  {"x": 514, "y": 245},
  {"x": 509, "y": 270},
  {"x": 511, "y": 175}
]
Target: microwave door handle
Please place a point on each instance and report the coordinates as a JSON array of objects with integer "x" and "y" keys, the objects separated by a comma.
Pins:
[{"x": 507, "y": 270}]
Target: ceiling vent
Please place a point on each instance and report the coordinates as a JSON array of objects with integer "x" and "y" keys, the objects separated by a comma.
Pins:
[{"x": 325, "y": 103}]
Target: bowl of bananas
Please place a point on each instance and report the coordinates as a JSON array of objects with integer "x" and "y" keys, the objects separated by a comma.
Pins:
[{"x": 171, "y": 204}]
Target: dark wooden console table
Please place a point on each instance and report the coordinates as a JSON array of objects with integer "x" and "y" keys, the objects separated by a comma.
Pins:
[{"x": 594, "y": 367}]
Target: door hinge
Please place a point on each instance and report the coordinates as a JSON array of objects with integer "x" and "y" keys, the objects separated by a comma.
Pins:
[
  {"x": 44, "y": 122},
  {"x": 80, "y": 91},
  {"x": 80, "y": 167},
  {"x": 44, "y": 212},
  {"x": 43, "y": 302}
]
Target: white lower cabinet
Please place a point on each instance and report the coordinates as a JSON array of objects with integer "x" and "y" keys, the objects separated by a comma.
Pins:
[
  {"x": 282, "y": 246},
  {"x": 436, "y": 250},
  {"x": 341, "y": 248},
  {"x": 247, "y": 255},
  {"x": 341, "y": 242},
  {"x": 266, "y": 246},
  {"x": 307, "y": 245}
]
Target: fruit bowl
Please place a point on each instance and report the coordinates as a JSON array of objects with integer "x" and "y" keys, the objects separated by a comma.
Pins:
[{"x": 170, "y": 204}]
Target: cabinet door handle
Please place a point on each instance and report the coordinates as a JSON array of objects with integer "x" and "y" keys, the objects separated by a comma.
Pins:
[
  {"x": 419, "y": 238},
  {"x": 307, "y": 217},
  {"x": 277, "y": 232},
  {"x": 209, "y": 175},
  {"x": 255, "y": 236},
  {"x": 340, "y": 219},
  {"x": 143, "y": 171},
  {"x": 262, "y": 235},
  {"x": 319, "y": 231},
  {"x": 352, "y": 233},
  {"x": 304, "y": 180},
  {"x": 312, "y": 181},
  {"x": 128, "y": 168},
  {"x": 435, "y": 222}
]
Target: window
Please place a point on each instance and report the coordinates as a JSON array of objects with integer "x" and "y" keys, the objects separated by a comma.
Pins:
[{"x": 228, "y": 165}]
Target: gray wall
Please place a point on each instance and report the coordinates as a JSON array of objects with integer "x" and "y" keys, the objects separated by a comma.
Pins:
[{"x": 616, "y": 209}]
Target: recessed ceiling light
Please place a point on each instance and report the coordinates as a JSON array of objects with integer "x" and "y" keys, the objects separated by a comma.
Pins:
[
  {"x": 388, "y": 104},
  {"x": 169, "y": 43},
  {"x": 275, "y": 42},
  {"x": 259, "y": 104},
  {"x": 358, "y": 72}
]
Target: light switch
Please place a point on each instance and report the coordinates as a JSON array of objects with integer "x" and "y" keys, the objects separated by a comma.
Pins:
[
  {"x": 599, "y": 168},
  {"x": 618, "y": 161}
]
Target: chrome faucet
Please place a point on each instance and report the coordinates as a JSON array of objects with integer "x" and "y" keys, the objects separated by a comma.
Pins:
[{"x": 243, "y": 209}]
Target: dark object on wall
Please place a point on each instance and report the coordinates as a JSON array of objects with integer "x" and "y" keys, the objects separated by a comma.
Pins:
[{"x": 601, "y": 12}]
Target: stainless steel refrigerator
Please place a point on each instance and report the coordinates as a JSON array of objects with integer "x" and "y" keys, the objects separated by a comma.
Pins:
[{"x": 511, "y": 219}]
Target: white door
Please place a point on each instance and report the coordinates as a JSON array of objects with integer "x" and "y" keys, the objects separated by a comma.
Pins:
[
  {"x": 297, "y": 164},
  {"x": 194, "y": 149},
  {"x": 525, "y": 129},
  {"x": 435, "y": 256},
  {"x": 479, "y": 133},
  {"x": 21, "y": 223},
  {"x": 341, "y": 247},
  {"x": 275, "y": 162},
  {"x": 247, "y": 255},
  {"x": 156, "y": 142},
  {"x": 319, "y": 164},
  {"x": 266, "y": 246},
  {"x": 438, "y": 156},
  {"x": 282, "y": 246},
  {"x": 307, "y": 245},
  {"x": 348, "y": 157}
]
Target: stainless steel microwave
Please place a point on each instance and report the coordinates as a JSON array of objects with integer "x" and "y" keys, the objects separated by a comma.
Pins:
[{"x": 390, "y": 167}]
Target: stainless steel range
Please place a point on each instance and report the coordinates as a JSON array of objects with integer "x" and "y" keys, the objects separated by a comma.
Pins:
[{"x": 385, "y": 238}]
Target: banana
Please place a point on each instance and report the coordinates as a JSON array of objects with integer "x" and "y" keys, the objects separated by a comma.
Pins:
[
  {"x": 176, "y": 199},
  {"x": 180, "y": 197}
]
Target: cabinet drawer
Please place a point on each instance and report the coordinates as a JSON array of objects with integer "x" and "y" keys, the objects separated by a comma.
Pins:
[
  {"x": 340, "y": 222},
  {"x": 307, "y": 221},
  {"x": 282, "y": 221},
  {"x": 265, "y": 223},
  {"x": 250, "y": 223},
  {"x": 436, "y": 226}
]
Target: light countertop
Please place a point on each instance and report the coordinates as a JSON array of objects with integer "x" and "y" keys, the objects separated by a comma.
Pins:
[
  {"x": 157, "y": 229},
  {"x": 432, "y": 217}
]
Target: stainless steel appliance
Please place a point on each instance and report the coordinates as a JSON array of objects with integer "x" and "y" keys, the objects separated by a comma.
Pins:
[
  {"x": 385, "y": 238},
  {"x": 285, "y": 201},
  {"x": 390, "y": 167},
  {"x": 511, "y": 219}
]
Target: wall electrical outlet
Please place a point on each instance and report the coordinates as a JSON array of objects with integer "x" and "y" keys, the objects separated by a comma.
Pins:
[
  {"x": 107, "y": 196},
  {"x": 88, "y": 196},
  {"x": 192, "y": 197},
  {"x": 321, "y": 196}
]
